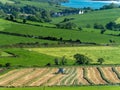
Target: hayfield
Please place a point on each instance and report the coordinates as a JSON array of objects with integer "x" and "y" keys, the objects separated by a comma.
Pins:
[
  {"x": 74, "y": 76},
  {"x": 108, "y": 53}
]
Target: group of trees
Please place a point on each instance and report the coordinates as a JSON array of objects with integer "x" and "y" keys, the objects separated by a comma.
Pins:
[
  {"x": 84, "y": 60},
  {"x": 113, "y": 26},
  {"x": 28, "y": 12},
  {"x": 63, "y": 61},
  {"x": 80, "y": 59},
  {"x": 110, "y": 26},
  {"x": 66, "y": 25}
]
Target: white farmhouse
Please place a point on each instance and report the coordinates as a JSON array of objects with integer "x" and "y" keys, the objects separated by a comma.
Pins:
[{"x": 81, "y": 12}]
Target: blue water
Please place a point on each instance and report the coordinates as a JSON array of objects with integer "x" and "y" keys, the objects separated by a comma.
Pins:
[{"x": 88, "y": 3}]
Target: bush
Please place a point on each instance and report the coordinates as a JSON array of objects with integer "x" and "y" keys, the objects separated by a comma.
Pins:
[
  {"x": 101, "y": 60},
  {"x": 67, "y": 25},
  {"x": 7, "y": 65},
  {"x": 1, "y": 65},
  {"x": 98, "y": 26}
]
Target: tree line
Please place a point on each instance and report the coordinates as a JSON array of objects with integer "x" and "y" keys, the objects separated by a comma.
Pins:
[{"x": 80, "y": 59}]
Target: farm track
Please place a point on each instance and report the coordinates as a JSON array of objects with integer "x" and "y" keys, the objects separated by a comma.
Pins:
[{"x": 47, "y": 77}]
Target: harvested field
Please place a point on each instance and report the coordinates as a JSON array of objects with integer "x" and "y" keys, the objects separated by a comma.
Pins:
[
  {"x": 110, "y": 75},
  {"x": 94, "y": 76},
  {"x": 48, "y": 77}
]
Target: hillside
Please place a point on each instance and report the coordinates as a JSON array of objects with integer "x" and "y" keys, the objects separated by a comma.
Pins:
[
  {"x": 86, "y": 35},
  {"x": 100, "y": 17},
  {"x": 46, "y": 46}
]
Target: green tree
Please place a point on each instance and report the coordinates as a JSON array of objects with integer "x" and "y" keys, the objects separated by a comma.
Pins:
[
  {"x": 56, "y": 61},
  {"x": 24, "y": 21},
  {"x": 80, "y": 28},
  {"x": 11, "y": 18},
  {"x": 82, "y": 59},
  {"x": 102, "y": 31},
  {"x": 101, "y": 60},
  {"x": 32, "y": 18},
  {"x": 63, "y": 60},
  {"x": 7, "y": 65},
  {"x": 46, "y": 16}
]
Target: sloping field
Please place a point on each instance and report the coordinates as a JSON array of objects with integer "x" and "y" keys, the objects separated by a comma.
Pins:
[
  {"x": 101, "y": 17},
  {"x": 48, "y": 77}
]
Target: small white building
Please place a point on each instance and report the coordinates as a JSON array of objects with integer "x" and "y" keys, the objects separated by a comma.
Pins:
[{"x": 81, "y": 12}]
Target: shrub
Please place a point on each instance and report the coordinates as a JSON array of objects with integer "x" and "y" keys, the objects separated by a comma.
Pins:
[{"x": 101, "y": 60}]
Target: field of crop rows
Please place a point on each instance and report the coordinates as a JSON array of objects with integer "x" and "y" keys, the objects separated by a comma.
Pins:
[{"x": 73, "y": 76}]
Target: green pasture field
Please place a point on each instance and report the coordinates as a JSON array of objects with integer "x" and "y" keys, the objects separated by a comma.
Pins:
[
  {"x": 9, "y": 40},
  {"x": 100, "y": 17},
  {"x": 26, "y": 58},
  {"x": 68, "y": 88},
  {"x": 42, "y": 56},
  {"x": 87, "y": 35},
  {"x": 4, "y": 24},
  {"x": 108, "y": 53}
]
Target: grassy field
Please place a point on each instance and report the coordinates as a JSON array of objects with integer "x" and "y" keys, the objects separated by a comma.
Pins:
[
  {"x": 68, "y": 88},
  {"x": 87, "y": 35},
  {"x": 42, "y": 56},
  {"x": 26, "y": 58},
  {"x": 9, "y": 40},
  {"x": 110, "y": 54}
]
